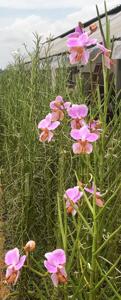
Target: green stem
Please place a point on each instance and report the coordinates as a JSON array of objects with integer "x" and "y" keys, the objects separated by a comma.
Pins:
[
  {"x": 105, "y": 243},
  {"x": 94, "y": 244},
  {"x": 84, "y": 220},
  {"x": 108, "y": 273},
  {"x": 109, "y": 283},
  {"x": 36, "y": 272},
  {"x": 11, "y": 295}
]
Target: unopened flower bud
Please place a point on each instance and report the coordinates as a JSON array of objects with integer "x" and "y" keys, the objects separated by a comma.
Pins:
[
  {"x": 81, "y": 25},
  {"x": 30, "y": 246},
  {"x": 93, "y": 27}
]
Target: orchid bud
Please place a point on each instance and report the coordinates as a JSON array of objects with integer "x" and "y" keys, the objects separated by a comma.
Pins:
[
  {"x": 30, "y": 246},
  {"x": 93, "y": 27}
]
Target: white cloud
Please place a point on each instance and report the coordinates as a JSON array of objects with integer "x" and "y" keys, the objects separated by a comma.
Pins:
[
  {"x": 51, "y": 4},
  {"x": 86, "y": 13},
  {"x": 35, "y": 4},
  {"x": 21, "y": 31}
]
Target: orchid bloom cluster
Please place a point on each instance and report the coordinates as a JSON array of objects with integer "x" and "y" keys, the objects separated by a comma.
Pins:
[
  {"x": 73, "y": 195},
  {"x": 52, "y": 120},
  {"x": 54, "y": 263},
  {"x": 84, "y": 134},
  {"x": 78, "y": 43}
]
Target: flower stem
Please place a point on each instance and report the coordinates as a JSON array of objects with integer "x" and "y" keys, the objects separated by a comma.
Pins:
[
  {"x": 36, "y": 272},
  {"x": 94, "y": 244}
]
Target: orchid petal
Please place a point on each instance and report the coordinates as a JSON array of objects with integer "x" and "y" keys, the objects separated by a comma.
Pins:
[
  {"x": 9, "y": 271},
  {"x": 59, "y": 99},
  {"x": 85, "y": 57},
  {"x": 88, "y": 148},
  {"x": 54, "y": 279},
  {"x": 67, "y": 105},
  {"x": 50, "y": 267},
  {"x": 89, "y": 190},
  {"x": 12, "y": 257},
  {"x": 52, "y": 104},
  {"x": 78, "y": 111},
  {"x": 56, "y": 257},
  {"x": 74, "y": 42},
  {"x": 63, "y": 271},
  {"x": 20, "y": 263},
  {"x": 79, "y": 30},
  {"x": 103, "y": 48},
  {"x": 73, "y": 194},
  {"x": 107, "y": 62},
  {"x": 45, "y": 122},
  {"x": 50, "y": 136},
  {"x": 74, "y": 212},
  {"x": 75, "y": 134},
  {"x": 53, "y": 125},
  {"x": 99, "y": 202},
  {"x": 84, "y": 132},
  {"x": 77, "y": 149},
  {"x": 72, "y": 58},
  {"x": 92, "y": 137}
]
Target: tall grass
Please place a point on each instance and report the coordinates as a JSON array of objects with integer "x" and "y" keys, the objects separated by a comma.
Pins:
[{"x": 35, "y": 177}]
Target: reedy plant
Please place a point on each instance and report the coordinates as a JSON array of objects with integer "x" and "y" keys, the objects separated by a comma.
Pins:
[{"x": 36, "y": 176}]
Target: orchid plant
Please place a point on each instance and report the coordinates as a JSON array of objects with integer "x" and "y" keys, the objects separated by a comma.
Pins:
[{"x": 74, "y": 265}]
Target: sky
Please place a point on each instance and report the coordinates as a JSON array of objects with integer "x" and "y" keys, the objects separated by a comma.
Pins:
[{"x": 20, "y": 19}]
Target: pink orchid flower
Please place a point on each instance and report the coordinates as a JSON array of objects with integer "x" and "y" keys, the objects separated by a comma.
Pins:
[
  {"x": 95, "y": 126},
  {"x": 58, "y": 106},
  {"x": 84, "y": 138},
  {"x": 106, "y": 53},
  {"x": 98, "y": 196},
  {"x": 77, "y": 112},
  {"x": 72, "y": 195},
  {"x": 47, "y": 126},
  {"x": 14, "y": 263},
  {"x": 77, "y": 45},
  {"x": 55, "y": 264}
]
